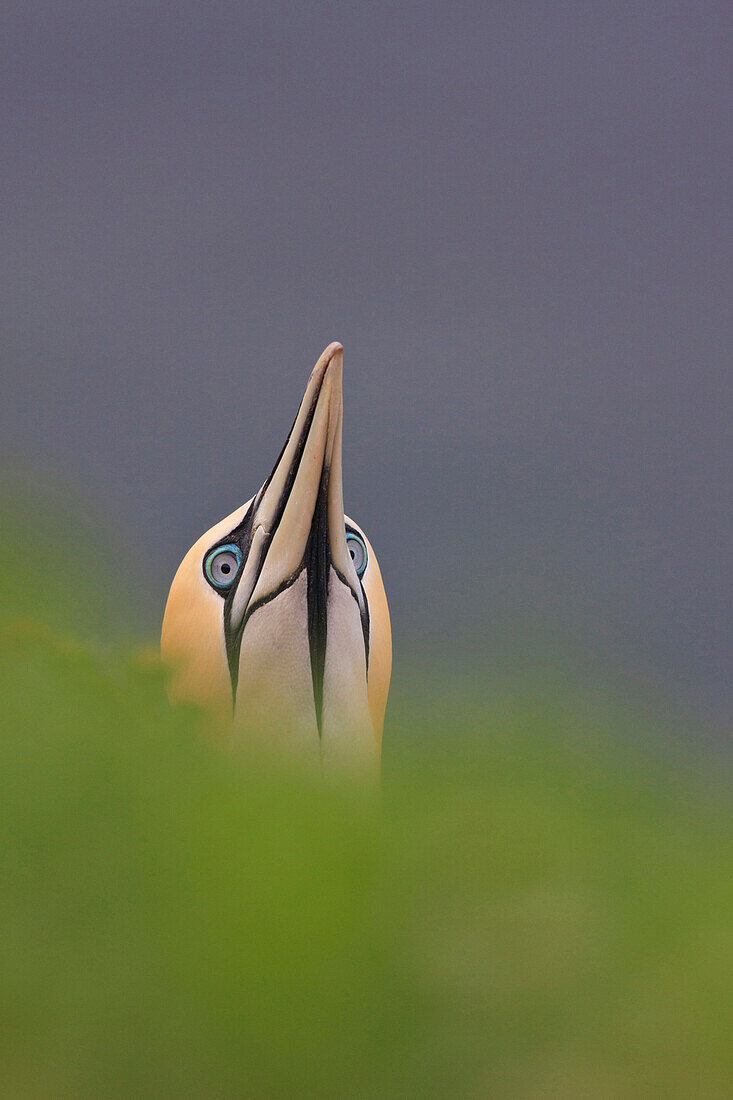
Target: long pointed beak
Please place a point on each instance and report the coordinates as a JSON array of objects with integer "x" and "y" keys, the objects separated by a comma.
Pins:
[{"x": 298, "y": 515}]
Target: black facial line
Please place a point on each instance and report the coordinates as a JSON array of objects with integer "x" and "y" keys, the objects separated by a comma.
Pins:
[
  {"x": 271, "y": 595},
  {"x": 318, "y": 560},
  {"x": 364, "y": 615}
]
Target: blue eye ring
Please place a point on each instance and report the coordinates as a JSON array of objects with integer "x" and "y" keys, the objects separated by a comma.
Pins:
[
  {"x": 358, "y": 552},
  {"x": 222, "y": 564}
]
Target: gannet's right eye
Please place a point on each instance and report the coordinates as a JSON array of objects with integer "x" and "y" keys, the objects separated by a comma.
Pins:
[
  {"x": 358, "y": 551},
  {"x": 222, "y": 565}
]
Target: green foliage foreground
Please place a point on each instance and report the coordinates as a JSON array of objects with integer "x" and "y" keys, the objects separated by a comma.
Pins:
[{"x": 528, "y": 914}]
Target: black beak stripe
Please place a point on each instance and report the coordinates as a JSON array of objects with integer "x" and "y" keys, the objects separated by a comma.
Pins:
[{"x": 318, "y": 562}]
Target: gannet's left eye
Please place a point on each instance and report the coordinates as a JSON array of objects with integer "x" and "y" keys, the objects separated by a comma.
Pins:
[
  {"x": 222, "y": 564},
  {"x": 357, "y": 549}
]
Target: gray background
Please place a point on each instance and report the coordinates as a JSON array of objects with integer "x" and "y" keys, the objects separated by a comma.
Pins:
[{"x": 516, "y": 217}]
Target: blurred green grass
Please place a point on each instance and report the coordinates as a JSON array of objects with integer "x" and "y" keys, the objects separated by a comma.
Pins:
[{"x": 538, "y": 908}]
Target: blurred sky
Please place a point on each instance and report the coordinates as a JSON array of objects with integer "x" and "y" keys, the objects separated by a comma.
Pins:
[{"x": 516, "y": 217}]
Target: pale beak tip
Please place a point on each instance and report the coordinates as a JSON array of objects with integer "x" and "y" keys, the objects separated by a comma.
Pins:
[
  {"x": 332, "y": 354},
  {"x": 333, "y": 350}
]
